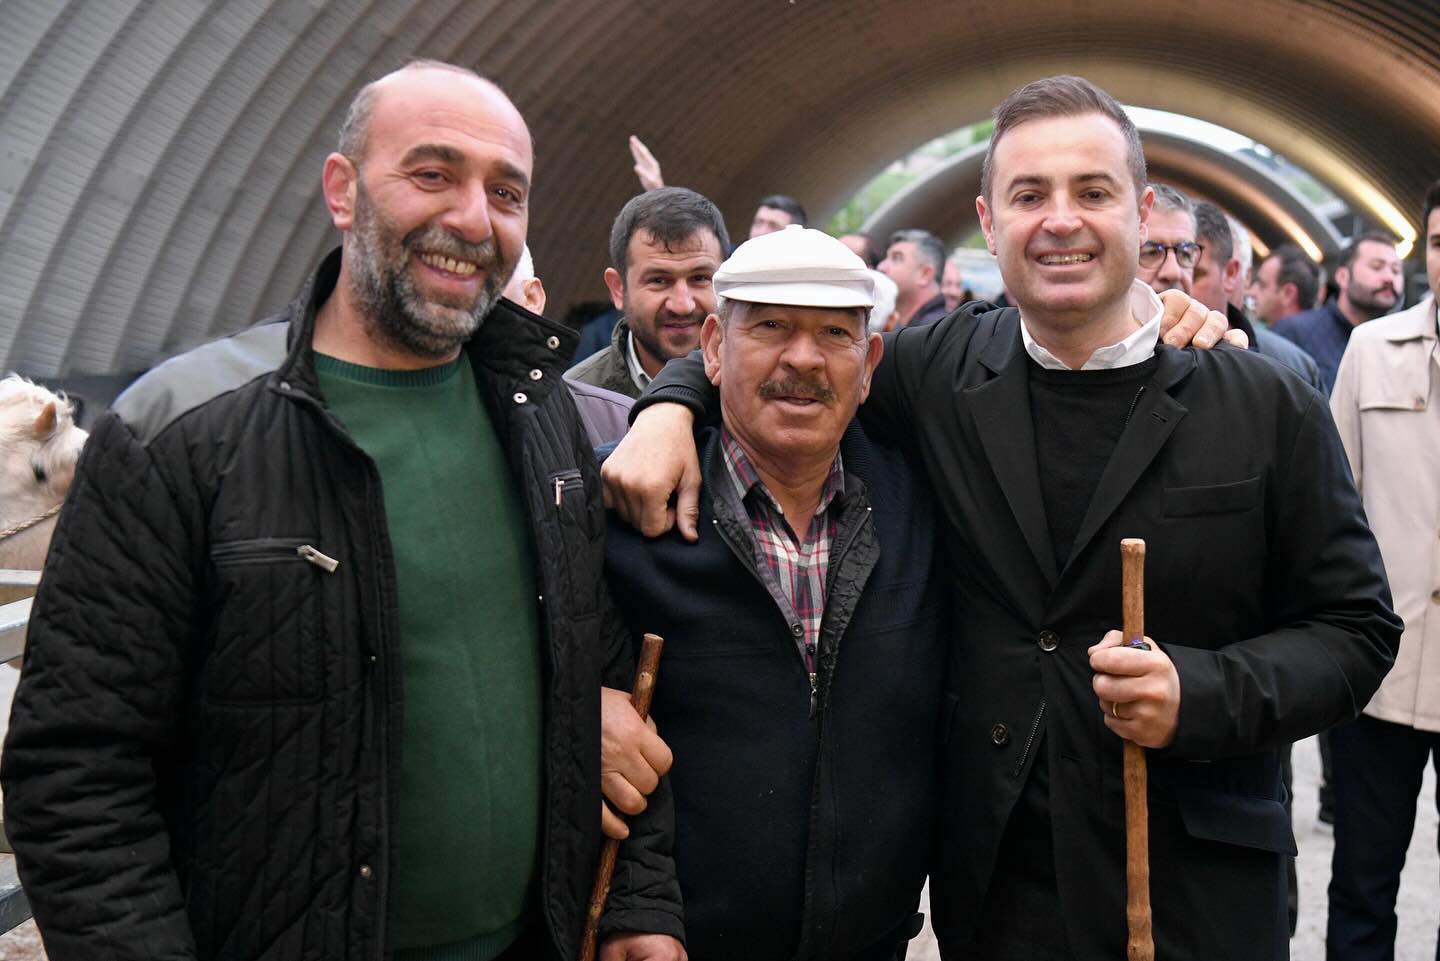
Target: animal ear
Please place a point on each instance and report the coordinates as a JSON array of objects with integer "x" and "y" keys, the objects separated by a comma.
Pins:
[{"x": 45, "y": 423}]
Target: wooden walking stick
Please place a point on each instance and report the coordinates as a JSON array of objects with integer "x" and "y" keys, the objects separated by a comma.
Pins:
[
  {"x": 1141, "y": 943},
  {"x": 640, "y": 696}
]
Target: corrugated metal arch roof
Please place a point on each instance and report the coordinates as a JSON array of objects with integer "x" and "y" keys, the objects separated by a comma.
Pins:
[{"x": 160, "y": 159}]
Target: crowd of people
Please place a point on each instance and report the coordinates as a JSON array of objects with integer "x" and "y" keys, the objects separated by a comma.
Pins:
[{"x": 331, "y": 652}]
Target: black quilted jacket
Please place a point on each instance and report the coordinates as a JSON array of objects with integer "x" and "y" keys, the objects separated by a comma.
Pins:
[{"x": 203, "y": 755}]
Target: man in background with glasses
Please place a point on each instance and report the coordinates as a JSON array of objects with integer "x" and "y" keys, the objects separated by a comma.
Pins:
[{"x": 1168, "y": 257}]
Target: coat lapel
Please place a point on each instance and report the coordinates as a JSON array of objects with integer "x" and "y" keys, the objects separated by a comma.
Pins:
[
  {"x": 1156, "y": 416},
  {"x": 1001, "y": 408}
]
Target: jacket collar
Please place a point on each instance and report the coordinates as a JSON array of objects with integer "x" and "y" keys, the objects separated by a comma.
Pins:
[
  {"x": 1001, "y": 409},
  {"x": 1414, "y": 323},
  {"x": 510, "y": 346},
  {"x": 1238, "y": 321}
]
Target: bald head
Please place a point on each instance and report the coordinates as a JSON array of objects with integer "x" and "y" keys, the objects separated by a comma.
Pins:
[
  {"x": 354, "y": 138},
  {"x": 431, "y": 189}
]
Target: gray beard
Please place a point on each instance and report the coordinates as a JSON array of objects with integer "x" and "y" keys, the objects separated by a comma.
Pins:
[{"x": 392, "y": 310}]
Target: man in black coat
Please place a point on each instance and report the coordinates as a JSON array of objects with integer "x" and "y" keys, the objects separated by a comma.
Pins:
[
  {"x": 289, "y": 692},
  {"x": 1051, "y": 433}
]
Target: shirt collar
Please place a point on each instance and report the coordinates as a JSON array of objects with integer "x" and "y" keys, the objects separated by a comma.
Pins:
[
  {"x": 1138, "y": 347},
  {"x": 746, "y": 479},
  {"x": 637, "y": 372}
]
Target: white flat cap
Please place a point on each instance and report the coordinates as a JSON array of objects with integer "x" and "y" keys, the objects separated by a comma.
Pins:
[{"x": 796, "y": 266}]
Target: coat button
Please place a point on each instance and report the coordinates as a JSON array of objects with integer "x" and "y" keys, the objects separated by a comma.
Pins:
[
  {"x": 366, "y": 872},
  {"x": 520, "y": 397},
  {"x": 535, "y": 374},
  {"x": 553, "y": 343},
  {"x": 1048, "y": 641},
  {"x": 1000, "y": 734}
]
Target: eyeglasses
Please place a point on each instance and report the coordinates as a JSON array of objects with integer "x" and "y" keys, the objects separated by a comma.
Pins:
[{"x": 1187, "y": 254}]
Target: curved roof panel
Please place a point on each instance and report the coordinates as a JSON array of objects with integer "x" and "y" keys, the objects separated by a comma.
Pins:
[{"x": 160, "y": 159}]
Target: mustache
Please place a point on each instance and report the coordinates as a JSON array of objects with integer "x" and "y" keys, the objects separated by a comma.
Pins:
[
  {"x": 665, "y": 316},
  {"x": 797, "y": 387},
  {"x": 438, "y": 240}
]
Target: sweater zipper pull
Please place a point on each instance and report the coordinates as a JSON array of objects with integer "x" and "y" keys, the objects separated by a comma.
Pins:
[
  {"x": 322, "y": 561},
  {"x": 814, "y": 696}
]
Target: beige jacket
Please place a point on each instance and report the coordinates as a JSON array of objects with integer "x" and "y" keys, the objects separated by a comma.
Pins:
[{"x": 1387, "y": 406}]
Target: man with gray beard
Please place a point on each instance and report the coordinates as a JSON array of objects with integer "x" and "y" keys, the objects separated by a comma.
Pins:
[{"x": 316, "y": 668}]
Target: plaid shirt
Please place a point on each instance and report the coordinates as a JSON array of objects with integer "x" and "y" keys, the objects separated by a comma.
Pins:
[{"x": 795, "y": 568}]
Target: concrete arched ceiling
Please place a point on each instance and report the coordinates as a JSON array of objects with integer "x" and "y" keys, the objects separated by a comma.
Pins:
[
  {"x": 943, "y": 200},
  {"x": 160, "y": 159}
]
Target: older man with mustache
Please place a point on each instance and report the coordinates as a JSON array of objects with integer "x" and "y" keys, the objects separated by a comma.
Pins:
[{"x": 800, "y": 691}]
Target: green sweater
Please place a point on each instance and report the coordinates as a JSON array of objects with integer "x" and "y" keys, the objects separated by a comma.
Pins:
[{"x": 466, "y": 832}]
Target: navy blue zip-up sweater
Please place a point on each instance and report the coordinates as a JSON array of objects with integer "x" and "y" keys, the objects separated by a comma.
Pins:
[{"x": 794, "y": 836}]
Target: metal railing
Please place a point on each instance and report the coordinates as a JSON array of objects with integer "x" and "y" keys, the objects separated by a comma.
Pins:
[{"x": 17, "y": 590}]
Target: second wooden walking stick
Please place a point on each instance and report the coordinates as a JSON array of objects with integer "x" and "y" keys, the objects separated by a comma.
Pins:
[
  {"x": 640, "y": 696},
  {"x": 1141, "y": 943}
]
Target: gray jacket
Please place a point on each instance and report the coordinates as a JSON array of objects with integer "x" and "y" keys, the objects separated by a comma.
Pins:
[{"x": 609, "y": 368}]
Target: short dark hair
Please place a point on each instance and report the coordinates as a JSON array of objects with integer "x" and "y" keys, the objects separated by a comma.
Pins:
[
  {"x": 1352, "y": 249},
  {"x": 1064, "y": 96},
  {"x": 1432, "y": 201},
  {"x": 927, "y": 246},
  {"x": 1212, "y": 231},
  {"x": 672, "y": 215},
  {"x": 788, "y": 204},
  {"x": 1297, "y": 268}
]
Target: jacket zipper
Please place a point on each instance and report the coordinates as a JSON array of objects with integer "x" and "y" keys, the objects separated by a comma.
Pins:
[
  {"x": 1029, "y": 741},
  {"x": 835, "y": 557},
  {"x": 322, "y": 561},
  {"x": 259, "y": 550},
  {"x": 747, "y": 559},
  {"x": 565, "y": 480},
  {"x": 378, "y": 533}
]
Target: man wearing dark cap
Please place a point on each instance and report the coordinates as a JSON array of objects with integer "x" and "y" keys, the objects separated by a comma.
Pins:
[{"x": 800, "y": 690}]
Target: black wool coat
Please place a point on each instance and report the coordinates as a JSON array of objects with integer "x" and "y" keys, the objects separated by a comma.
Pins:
[{"x": 1264, "y": 585}]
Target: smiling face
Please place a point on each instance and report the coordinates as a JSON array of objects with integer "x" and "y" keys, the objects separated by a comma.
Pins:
[
  {"x": 1064, "y": 222},
  {"x": 666, "y": 294},
  {"x": 790, "y": 378},
  {"x": 435, "y": 212}
]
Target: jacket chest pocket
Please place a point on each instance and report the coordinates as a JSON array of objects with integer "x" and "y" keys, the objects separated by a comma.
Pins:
[
  {"x": 1210, "y": 499},
  {"x": 266, "y": 639}
]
